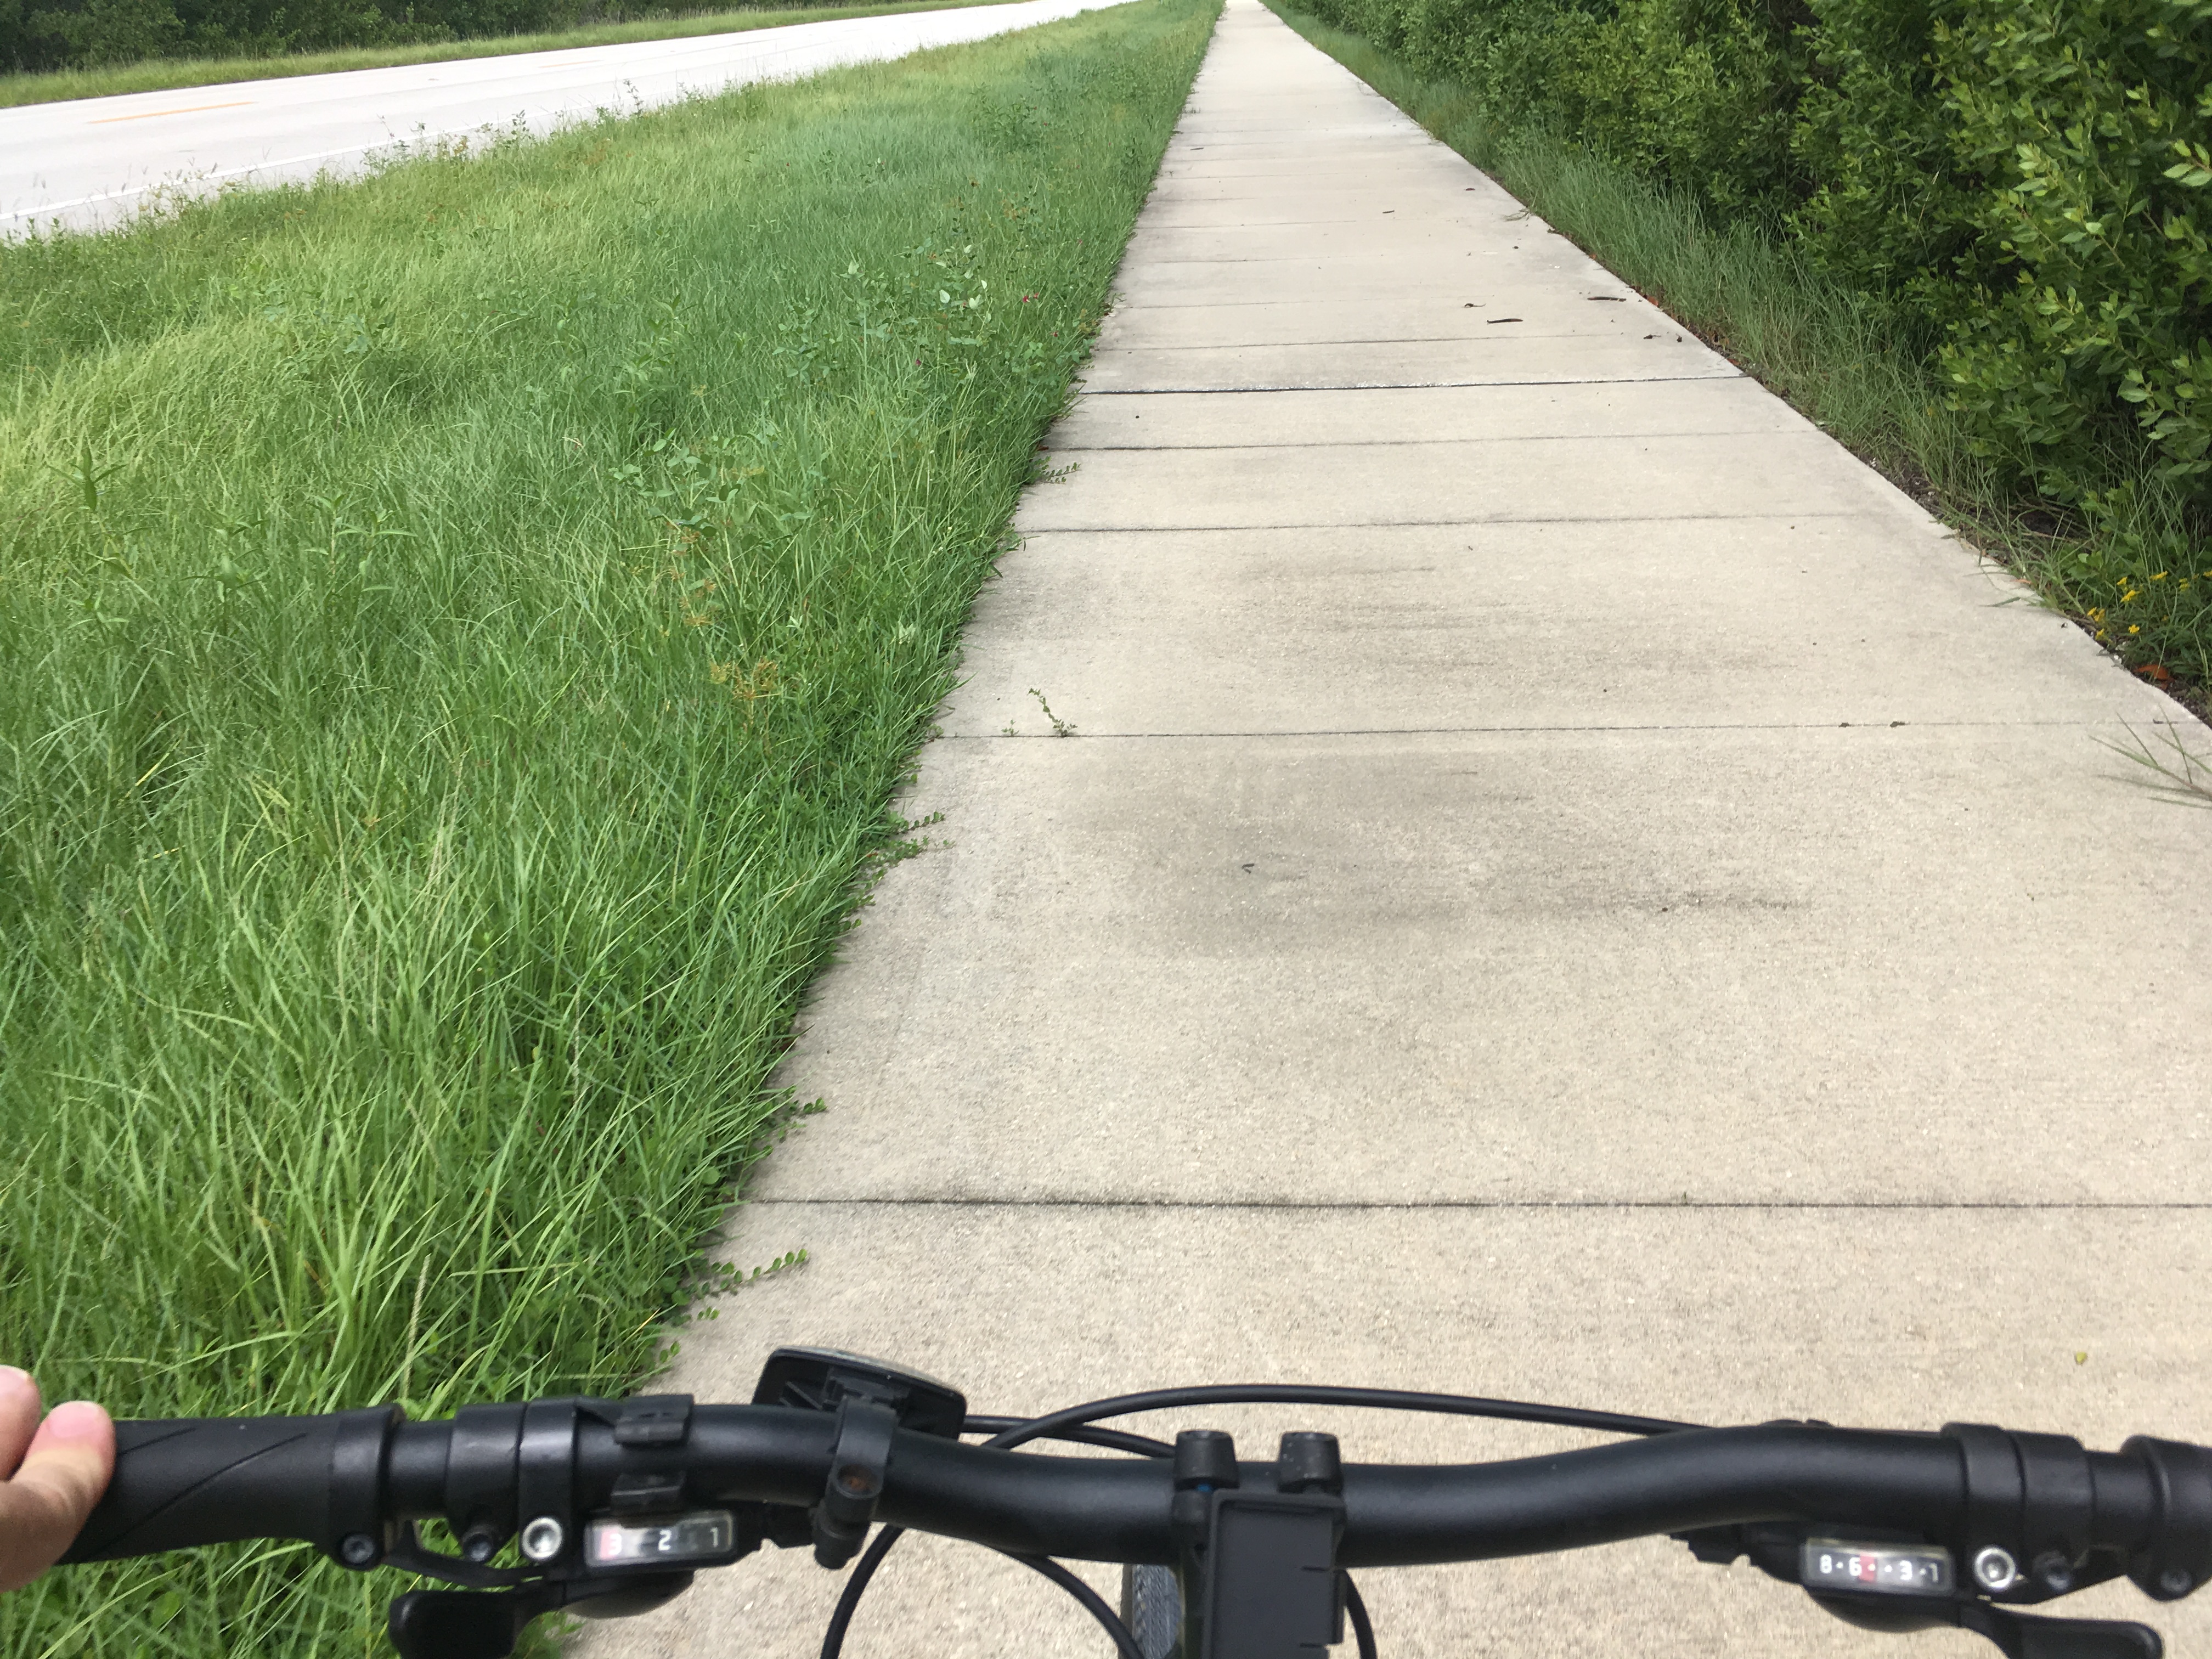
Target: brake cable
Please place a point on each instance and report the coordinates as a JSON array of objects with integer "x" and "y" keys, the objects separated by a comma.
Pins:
[{"x": 1076, "y": 1423}]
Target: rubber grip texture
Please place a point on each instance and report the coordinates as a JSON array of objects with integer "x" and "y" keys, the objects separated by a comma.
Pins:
[{"x": 181, "y": 1482}]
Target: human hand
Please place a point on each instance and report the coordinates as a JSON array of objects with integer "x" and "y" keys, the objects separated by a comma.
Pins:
[{"x": 50, "y": 1475}]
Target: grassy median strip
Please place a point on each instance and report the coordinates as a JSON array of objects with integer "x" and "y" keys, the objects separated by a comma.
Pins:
[
  {"x": 162, "y": 74},
  {"x": 464, "y": 631},
  {"x": 1837, "y": 354}
]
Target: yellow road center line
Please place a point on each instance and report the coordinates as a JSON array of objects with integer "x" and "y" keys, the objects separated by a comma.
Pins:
[{"x": 110, "y": 121}]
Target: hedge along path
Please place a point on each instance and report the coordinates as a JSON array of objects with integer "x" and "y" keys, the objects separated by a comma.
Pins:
[
  {"x": 2009, "y": 195},
  {"x": 1560, "y": 883},
  {"x": 465, "y": 630}
]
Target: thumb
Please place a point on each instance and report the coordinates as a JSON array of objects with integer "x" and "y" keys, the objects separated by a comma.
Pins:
[{"x": 62, "y": 1475}]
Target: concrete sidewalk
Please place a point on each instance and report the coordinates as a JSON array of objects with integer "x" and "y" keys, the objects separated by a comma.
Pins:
[{"x": 1564, "y": 884}]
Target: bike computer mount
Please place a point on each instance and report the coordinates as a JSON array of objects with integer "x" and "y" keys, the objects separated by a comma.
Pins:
[
  {"x": 510, "y": 1475},
  {"x": 871, "y": 1398},
  {"x": 2022, "y": 1541}
]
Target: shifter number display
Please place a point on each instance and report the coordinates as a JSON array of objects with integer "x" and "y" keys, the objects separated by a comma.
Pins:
[
  {"x": 668, "y": 1540},
  {"x": 1832, "y": 1564}
]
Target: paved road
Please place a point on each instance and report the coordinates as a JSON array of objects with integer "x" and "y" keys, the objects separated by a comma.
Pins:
[
  {"x": 96, "y": 160},
  {"x": 1565, "y": 884}
]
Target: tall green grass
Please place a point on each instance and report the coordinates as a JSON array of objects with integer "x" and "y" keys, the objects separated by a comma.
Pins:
[
  {"x": 463, "y": 634},
  {"x": 160, "y": 74},
  {"x": 1858, "y": 367}
]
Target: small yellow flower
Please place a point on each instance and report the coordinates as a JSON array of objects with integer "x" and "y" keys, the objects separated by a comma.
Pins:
[
  {"x": 2096, "y": 613},
  {"x": 2158, "y": 576},
  {"x": 2135, "y": 628},
  {"x": 2128, "y": 596}
]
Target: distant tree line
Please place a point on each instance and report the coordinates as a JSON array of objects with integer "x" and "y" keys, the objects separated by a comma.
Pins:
[{"x": 45, "y": 34}]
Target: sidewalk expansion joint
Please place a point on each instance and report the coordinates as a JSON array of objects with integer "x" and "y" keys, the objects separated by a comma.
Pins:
[
  {"x": 1398, "y": 386},
  {"x": 1520, "y": 731},
  {"x": 1432, "y": 523},
  {"x": 1394, "y": 339},
  {"x": 1873, "y": 1206},
  {"x": 1429, "y": 443},
  {"x": 1316, "y": 259}
]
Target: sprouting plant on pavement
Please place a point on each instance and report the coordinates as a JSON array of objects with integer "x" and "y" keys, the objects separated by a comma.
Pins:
[
  {"x": 1061, "y": 728},
  {"x": 2185, "y": 778}
]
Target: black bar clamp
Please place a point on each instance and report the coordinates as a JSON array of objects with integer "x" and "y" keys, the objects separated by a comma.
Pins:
[
  {"x": 654, "y": 1419},
  {"x": 857, "y": 1466},
  {"x": 354, "y": 1534},
  {"x": 2181, "y": 1475},
  {"x": 874, "y": 1399},
  {"x": 2031, "y": 1524}
]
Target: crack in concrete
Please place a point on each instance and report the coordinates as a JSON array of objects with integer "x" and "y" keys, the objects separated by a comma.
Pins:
[
  {"x": 2040, "y": 1206},
  {"x": 1432, "y": 524},
  {"x": 1541, "y": 731},
  {"x": 1397, "y": 385}
]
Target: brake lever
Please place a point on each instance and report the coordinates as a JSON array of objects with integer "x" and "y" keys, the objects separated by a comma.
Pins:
[
  {"x": 466, "y": 1624},
  {"x": 486, "y": 1625},
  {"x": 2032, "y": 1636}
]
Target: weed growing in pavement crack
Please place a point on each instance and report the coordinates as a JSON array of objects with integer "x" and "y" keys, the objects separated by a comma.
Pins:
[{"x": 1061, "y": 728}]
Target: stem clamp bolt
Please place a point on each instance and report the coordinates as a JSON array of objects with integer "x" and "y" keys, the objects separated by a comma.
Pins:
[
  {"x": 1996, "y": 1571},
  {"x": 541, "y": 1538}
]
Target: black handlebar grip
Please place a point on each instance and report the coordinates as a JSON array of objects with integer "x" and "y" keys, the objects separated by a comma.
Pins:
[{"x": 182, "y": 1482}]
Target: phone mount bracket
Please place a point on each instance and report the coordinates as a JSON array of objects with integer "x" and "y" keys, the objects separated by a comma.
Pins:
[
  {"x": 1271, "y": 1587},
  {"x": 1258, "y": 1566}
]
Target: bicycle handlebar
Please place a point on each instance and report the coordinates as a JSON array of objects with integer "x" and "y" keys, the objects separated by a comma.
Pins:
[
  {"x": 612, "y": 1504},
  {"x": 187, "y": 1482}
]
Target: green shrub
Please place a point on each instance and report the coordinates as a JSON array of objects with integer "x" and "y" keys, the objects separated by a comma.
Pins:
[
  {"x": 1694, "y": 92},
  {"x": 2088, "y": 334},
  {"x": 2018, "y": 186},
  {"x": 1885, "y": 203}
]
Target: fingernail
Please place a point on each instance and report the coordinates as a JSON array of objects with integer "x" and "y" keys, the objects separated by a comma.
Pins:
[
  {"x": 14, "y": 1374},
  {"x": 74, "y": 1417}
]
